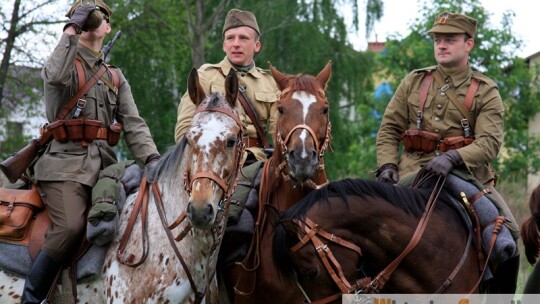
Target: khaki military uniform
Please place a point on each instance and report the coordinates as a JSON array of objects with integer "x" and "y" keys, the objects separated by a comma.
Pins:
[
  {"x": 442, "y": 117},
  {"x": 261, "y": 89},
  {"x": 71, "y": 160},
  {"x": 67, "y": 171}
]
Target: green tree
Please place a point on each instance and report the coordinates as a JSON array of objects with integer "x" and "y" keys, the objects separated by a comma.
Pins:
[
  {"x": 159, "y": 46},
  {"x": 493, "y": 55}
]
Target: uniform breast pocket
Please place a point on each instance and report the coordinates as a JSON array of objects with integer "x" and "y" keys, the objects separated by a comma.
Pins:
[
  {"x": 413, "y": 105},
  {"x": 264, "y": 103}
]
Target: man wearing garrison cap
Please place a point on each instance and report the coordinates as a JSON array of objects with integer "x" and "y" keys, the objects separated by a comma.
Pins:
[
  {"x": 241, "y": 41},
  {"x": 70, "y": 165},
  {"x": 448, "y": 117}
]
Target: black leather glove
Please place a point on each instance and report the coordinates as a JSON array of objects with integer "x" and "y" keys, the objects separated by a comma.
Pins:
[
  {"x": 388, "y": 173},
  {"x": 151, "y": 162},
  {"x": 444, "y": 163},
  {"x": 79, "y": 16}
]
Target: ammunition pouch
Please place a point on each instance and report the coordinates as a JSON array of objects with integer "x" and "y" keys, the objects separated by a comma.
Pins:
[
  {"x": 454, "y": 142},
  {"x": 420, "y": 140},
  {"x": 424, "y": 141},
  {"x": 84, "y": 129}
]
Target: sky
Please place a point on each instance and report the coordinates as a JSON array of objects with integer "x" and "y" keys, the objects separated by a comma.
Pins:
[{"x": 399, "y": 14}]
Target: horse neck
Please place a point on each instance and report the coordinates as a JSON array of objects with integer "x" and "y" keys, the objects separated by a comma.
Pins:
[{"x": 383, "y": 231}]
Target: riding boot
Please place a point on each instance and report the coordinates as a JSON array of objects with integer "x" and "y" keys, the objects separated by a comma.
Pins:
[
  {"x": 506, "y": 275},
  {"x": 40, "y": 278}
]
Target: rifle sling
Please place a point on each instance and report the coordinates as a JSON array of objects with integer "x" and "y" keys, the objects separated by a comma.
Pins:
[
  {"x": 470, "y": 95},
  {"x": 246, "y": 104},
  {"x": 69, "y": 106}
]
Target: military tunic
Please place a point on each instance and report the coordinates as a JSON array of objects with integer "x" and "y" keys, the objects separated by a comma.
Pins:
[
  {"x": 442, "y": 117},
  {"x": 71, "y": 161},
  {"x": 261, "y": 90}
]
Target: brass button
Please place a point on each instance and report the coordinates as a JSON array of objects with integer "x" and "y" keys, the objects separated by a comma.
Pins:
[{"x": 437, "y": 118}]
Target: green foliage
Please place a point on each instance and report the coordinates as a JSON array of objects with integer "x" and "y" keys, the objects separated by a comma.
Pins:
[{"x": 493, "y": 55}]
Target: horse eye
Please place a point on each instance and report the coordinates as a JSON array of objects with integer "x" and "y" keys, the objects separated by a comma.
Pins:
[
  {"x": 231, "y": 143},
  {"x": 312, "y": 274},
  {"x": 325, "y": 110},
  {"x": 280, "y": 109}
]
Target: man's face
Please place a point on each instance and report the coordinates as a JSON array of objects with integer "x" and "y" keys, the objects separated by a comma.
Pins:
[
  {"x": 452, "y": 50},
  {"x": 240, "y": 44}
]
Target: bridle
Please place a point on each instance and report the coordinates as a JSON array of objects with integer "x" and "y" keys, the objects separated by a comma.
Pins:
[
  {"x": 320, "y": 148},
  {"x": 217, "y": 229},
  {"x": 317, "y": 236}
]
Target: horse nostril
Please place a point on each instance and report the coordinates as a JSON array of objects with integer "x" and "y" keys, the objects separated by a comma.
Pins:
[
  {"x": 189, "y": 209},
  {"x": 209, "y": 210}
]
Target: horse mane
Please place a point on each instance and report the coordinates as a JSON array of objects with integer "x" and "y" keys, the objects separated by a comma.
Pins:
[
  {"x": 167, "y": 165},
  {"x": 410, "y": 200}
]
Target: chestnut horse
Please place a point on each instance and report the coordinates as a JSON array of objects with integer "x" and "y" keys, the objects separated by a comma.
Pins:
[
  {"x": 530, "y": 234},
  {"x": 184, "y": 225},
  {"x": 295, "y": 169},
  {"x": 339, "y": 238}
]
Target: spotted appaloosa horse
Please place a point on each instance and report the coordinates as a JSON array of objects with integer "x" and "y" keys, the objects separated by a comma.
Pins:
[
  {"x": 195, "y": 179},
  {"x": 295, "y": 169}
]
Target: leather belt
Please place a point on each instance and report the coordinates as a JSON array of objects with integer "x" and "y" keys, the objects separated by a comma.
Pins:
[{"x": 251, "y": 142}]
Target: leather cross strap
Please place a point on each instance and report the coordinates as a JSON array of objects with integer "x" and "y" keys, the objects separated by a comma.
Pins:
[
  {"x": 67, "y": 108},
  {"x": 244, "y": 100},
  {"x": 464, "y": 108}
]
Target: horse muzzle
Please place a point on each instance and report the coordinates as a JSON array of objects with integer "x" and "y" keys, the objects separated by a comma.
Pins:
[{"x": 302, "y": 164}]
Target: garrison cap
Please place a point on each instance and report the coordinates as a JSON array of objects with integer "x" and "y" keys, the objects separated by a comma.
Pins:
[
  {"x": 447, "y": 22},
  {"x": 104, "y": 8},
  {"x": 238, "y": 18}
]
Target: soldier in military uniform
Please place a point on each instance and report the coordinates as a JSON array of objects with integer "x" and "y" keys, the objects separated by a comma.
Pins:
[
  {"x": 440, "y": 133},
  {"x": 240, "y": 43},
  {"x": 69, "y": 168}
]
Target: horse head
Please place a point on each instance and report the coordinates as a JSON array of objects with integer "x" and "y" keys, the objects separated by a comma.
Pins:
[
  {"x": 214, "y": 141},
  {"x": 303, "y": 124}
]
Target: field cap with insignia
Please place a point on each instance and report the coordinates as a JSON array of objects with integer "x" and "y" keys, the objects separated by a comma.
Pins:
[
  {"x": 238, "y": 18},
  {"x": 449, "y": 23},
  {"x": 104, "y": 8}
]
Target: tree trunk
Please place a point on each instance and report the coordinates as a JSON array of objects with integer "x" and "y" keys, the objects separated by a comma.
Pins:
[{"x": 10, "y": 42}]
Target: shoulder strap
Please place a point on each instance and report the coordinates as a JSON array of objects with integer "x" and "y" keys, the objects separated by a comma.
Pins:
[
  {"x": 470, "y": 94},
  {"x": 244, "y": 100},
  {"x": 424, "y": 89},
  {"x": 246, "y": 104},
  {"x": 464, "y": 111},
  {"x": 67, "y": 108}
]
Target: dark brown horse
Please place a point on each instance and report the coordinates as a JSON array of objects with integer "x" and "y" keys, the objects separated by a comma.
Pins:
[
  {"x": 530, "y": 234},
  {"x": 295, "y": 169},
  {"x": 351, "y": 230}
]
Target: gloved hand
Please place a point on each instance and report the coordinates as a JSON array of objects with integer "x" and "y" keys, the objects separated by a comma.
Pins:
[
  {"x": 388, "y": 173},
  {"x": 79, "y": 16},
  {"x": 151, "y": 162},
  {"x": 444, "y": 163}
]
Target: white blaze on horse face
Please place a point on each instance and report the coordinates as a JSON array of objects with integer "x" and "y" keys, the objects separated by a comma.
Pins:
[{"x": 306, "y": 100}]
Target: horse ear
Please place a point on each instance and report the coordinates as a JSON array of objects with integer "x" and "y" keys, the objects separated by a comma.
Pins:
[
  {"x": 231, "y": 87},
  {"x": 324, "y": 75},
  {"x": 279, "y": 77},
  {"x": 195, "y": 90}
]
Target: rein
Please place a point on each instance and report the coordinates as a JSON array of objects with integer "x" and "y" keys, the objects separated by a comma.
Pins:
[{"x": 217, "y": 229}]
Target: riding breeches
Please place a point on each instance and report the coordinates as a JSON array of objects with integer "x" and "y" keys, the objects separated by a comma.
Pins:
[{"x": 66, "y": 203}]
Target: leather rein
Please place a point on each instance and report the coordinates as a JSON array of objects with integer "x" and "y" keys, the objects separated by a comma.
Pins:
[
  {"x": 218, "y": 228},
  {"x": 316, "y": 234},
  {"x": 320, "y": 148}
]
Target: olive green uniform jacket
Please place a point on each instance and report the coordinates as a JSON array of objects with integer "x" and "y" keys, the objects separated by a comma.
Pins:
[
  {"x": 71, "y": 161},
  {"x": 441, "y": 116},
  {"x": 261, "y": 90}
]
